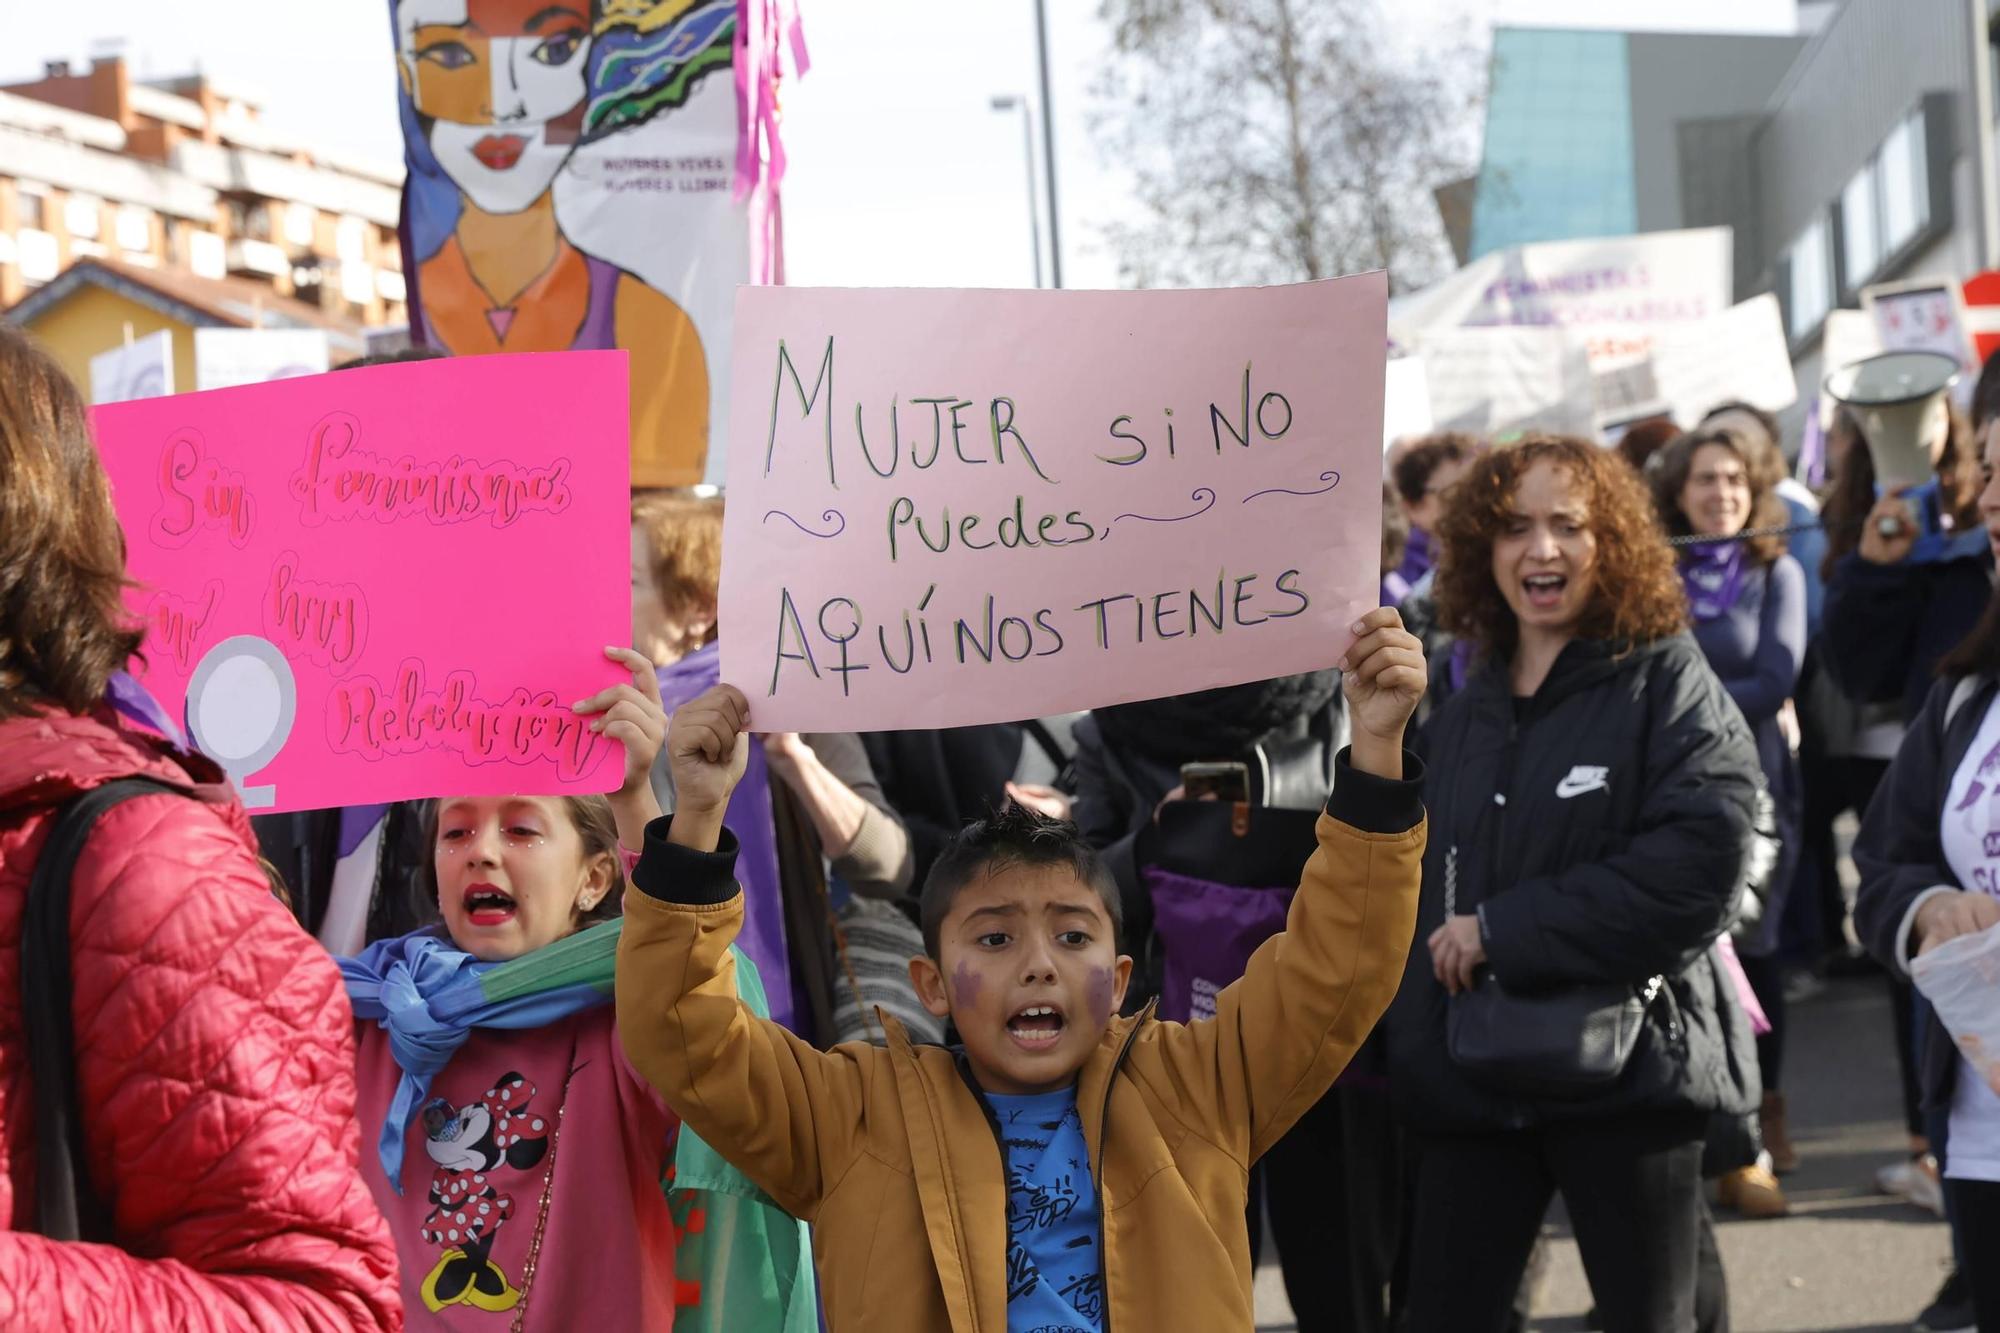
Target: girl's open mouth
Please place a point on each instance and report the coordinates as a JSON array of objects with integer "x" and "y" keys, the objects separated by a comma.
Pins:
[{"x": 486, "y": 905}]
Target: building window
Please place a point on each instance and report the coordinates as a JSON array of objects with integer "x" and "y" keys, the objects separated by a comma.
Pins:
[
  {"x": 250, "y": 219},
  {"x": 207, "y": 255},
  {"x": 1811, "y": 257},
  {"x": 38, "y": 256},
  {"x": 31, "y": 207},
  {"x": 1906, "y": 200},
  {"x": 1993, "y": 57},
  {"x": 357, "y": 283},
  {"x": 1886, "y": 206},
  {"x": 1860, "y": 227},
  {"x": 351, "y": 241},
  {"x": 135, "y": 230},
  {"x": 83, "y": 215},
  {"x": 300, "y": 223},
  {"x": 309, "y": 284}
]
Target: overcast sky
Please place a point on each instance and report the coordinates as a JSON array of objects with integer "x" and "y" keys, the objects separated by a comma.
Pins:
[{"x": 902, "y": 172}]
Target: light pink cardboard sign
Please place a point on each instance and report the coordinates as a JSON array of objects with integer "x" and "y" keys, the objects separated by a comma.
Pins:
[
  {"x": 382, "y": 584},
  {"x": 955, "y": 507}
]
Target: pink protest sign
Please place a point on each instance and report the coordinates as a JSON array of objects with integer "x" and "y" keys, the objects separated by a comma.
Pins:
[
  {"x": 388, "y": 583},
  {"x": 955, "y": 507}
]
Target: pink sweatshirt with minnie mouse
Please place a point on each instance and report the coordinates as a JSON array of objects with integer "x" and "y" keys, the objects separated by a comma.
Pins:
[{"x": 531, "y": 1183}]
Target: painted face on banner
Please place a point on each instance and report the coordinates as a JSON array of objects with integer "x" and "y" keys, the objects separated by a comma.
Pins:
[{"x": 494, "y": 77}]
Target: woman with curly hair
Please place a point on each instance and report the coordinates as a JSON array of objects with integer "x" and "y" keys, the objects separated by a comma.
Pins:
[
  {"x": 1747, "y": 597},
  {"x": 1592, "y": 798}
]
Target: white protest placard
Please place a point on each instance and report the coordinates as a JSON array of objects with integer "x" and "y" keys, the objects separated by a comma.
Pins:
[
  {"x": 1847, "y": 336},
  {"x": 1610, "y": 295},
  {"x": 225, "y": 358},
  {"x": 1925, "y": 315},
  {"x": 958, "y": 507},
  {"x": 142, "y": 368},
  {"x": 1739, "y": 355},
  {"x": 1406, "y": 401},
  {"x": 1623, "y": 386},
  {"x": 1494, "y": 381},
  {"x": 1652, "y": 278}
]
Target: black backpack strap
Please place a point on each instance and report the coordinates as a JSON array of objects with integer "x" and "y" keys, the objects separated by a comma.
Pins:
[{"x": 66, "y": 1208}]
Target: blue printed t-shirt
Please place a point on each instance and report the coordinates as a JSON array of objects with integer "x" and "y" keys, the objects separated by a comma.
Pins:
[{"x": 1055, "y": 1278}]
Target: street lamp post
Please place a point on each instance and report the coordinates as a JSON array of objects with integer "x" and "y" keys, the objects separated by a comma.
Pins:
[
  {"x": 1049, "y": 140},
  {"x": 1010, "y": 102},
  {"x": 1985, "y": 173}
]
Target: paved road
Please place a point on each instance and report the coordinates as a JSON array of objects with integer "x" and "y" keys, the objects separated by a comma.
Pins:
[{"x": 1847, "y": 1260}]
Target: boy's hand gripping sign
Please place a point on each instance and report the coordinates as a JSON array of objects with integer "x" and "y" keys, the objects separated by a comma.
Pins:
[
  {"x": 388, "y": 583},
  {"x": 956, "y": 507}
]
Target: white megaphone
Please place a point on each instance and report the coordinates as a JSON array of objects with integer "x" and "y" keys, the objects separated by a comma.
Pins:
[{"x": 1900, "y": 400}]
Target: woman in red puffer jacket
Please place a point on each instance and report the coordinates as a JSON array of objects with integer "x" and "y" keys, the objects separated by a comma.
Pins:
[{"x": 213, "y": 1050}]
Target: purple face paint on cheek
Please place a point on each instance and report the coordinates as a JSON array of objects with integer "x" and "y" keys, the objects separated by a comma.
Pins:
[
  {"x": 966, "y": 985},
  {"x": 1097, "y": 993}
]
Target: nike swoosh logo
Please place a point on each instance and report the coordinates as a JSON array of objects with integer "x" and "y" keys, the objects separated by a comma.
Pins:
[{"x": 1569, "y": 787}]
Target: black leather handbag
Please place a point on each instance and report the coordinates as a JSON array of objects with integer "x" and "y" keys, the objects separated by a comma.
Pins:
[
  {"x": 1569, "y": 1042},
  {"x": 1555, "y": 1044}
]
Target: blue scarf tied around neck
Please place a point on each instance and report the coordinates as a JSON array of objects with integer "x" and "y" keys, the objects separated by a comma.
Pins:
[{"x": 428, "y": 995}]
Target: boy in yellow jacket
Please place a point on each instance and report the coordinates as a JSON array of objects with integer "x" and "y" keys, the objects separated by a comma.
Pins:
[{"x": 1066, "y": 1169}]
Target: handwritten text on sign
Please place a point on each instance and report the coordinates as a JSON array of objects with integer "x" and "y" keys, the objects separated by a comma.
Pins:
[
  {"x": 388, "y": 583},
  {"x": 953, "y": 507}
]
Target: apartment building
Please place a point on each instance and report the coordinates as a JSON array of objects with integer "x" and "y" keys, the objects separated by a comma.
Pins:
[{"x": 180, "y": 174}]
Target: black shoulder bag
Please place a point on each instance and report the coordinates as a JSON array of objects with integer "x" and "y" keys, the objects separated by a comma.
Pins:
[
  {"x": 1572, "y": 1041},
  {"x": 66, "y": 1209}
]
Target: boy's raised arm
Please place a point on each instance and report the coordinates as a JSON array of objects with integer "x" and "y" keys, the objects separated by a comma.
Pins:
[
  {"x": 788, "y": 1116},
  {"x": 1311, "y": 995}
]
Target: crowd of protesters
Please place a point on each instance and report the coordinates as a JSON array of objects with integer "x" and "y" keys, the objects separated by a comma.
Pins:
[{"x": 1042, "y": 1025}]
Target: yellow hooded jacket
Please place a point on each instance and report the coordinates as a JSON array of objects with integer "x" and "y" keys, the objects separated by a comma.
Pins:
[{"x": 889, "y": 1153}]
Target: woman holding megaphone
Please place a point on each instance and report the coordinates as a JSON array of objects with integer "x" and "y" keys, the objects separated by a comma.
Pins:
[{"x": 1908, "y": 579}]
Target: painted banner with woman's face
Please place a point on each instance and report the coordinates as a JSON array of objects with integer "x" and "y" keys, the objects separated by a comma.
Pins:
[{"x": 571, "y": 174}]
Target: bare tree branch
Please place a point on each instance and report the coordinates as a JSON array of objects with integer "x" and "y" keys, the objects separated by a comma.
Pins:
[{"x": 1274, "y": 140}]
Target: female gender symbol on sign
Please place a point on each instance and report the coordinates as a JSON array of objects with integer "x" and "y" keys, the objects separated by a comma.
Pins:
[{"x": 241, "y": 704}]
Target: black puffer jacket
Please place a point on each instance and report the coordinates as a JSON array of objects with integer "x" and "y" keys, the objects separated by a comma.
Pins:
[
  {"x": 1886, "y": 626},
  {"x": 1601, "y": 831}
]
